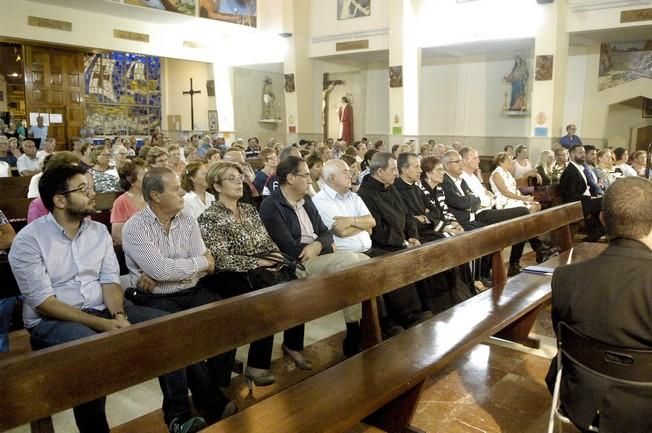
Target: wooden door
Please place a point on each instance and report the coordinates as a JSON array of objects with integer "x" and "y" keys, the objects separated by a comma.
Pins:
[
  {"x": 54, "y": 81},
  {"x": 643, "y": 138}
]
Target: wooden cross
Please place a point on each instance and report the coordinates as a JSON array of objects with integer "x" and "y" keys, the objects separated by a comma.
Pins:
[{"x": 192, "y": 92}]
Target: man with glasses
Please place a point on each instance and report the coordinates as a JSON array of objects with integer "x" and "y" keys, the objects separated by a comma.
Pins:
[
  {"x": 294, "y": 224},
  {"x": 76, "y": 292},
  {"x": 28, "y": 164}
]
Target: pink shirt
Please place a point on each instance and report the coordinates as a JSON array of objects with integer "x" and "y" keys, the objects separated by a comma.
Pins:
[
  {"x": 36, "y": 210},
  {"x": 123, "y": 209}
]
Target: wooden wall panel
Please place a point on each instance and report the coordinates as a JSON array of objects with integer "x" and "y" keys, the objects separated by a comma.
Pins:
[{"x": 54, "y": 84}]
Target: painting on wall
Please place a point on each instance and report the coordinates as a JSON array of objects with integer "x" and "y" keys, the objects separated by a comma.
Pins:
[
  {"x": 647, "y": 108},
  {"x": 396, "y": 76},
  {"x": 186, "y": 7},
  {"x": 122, "y": 93},
  {"x": 624, "y": 61},
  {"x": 347, "y": 9},
  {"x": 233, "y": 11},
  {"x": 289, "y": 83},
  {"x": 543, "y": 71},
  {"x": 213, "y": 122}
]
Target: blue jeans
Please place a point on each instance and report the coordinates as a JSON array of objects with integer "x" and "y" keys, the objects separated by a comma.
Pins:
[
  {"x": 6, "y": 310},
  {"x": 91, "y": 417}
]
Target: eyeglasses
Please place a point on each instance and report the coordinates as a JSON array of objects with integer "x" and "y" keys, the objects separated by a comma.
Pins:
[
  {"x": 233, "y": 179},
  {"x": 84, "y": 189},
  {"x": 301, "y": 174},
  {"x": 457, "y": 161}
]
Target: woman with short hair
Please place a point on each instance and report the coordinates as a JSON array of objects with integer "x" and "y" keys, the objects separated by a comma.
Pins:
[
  {"x": 105, "y": 177},
  {"x": 193, "y": 181}
]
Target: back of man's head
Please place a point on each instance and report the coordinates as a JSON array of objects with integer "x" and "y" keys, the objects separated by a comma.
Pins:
[
  {"x": 380, "y": 160},
  {"x": 627, "y": 209},
  {"x": 154, "y": 181},
  {"x": 287, "y": 152}
]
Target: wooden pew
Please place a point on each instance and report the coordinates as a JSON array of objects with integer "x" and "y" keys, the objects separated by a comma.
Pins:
[
  {"x": 382, "y": 385},
  {"x": 38, "y": 384},
  {"x": 14, "y": 187}
]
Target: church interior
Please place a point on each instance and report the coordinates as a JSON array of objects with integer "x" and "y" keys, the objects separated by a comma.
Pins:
[{"x": 485, "y": 75}]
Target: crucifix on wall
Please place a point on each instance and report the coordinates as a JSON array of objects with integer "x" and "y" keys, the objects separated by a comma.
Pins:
[
  {"x": 192, "y": 93},
  {"x": 328, "y": 86}
]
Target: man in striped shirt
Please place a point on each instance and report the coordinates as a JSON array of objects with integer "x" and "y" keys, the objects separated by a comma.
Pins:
[{"x": 166, "y": 257}]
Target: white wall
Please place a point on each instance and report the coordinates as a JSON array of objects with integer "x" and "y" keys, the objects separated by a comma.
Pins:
[
  {"x": 623, "y": 122},
  {"x": 377, "y": 104},
  {"x": 465, "y": 96},
  {"x": 248, "y": 104},
  {"x": 175, "y": 79}
]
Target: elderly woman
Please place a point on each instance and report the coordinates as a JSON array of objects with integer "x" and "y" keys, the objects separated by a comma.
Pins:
[
  {"x": 131, "y": 180},
  {"x": 638, "y": 161},
  {"x": 432, "y": 175},
  {"x": 174, "y": 159},
  {"x": 605, "y": 169},
  {"x": 157, "y": 157},
  {"x": 544, "y": 166},
  {"x": 316, "y": 165},
  {"x": 354, "y": 167},
  {"x": 246, "y": 256},
  {"x": 193, "y": 181},
  {"x": 120, "y": 154},
  {"x": 105, "y": 177}
]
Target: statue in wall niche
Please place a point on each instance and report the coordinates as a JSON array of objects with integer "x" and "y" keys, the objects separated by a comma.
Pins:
[
  {"x": 271, "y": 109},
  {"x": 518, "y": 78},
  {"x": 345, "y": 115}
]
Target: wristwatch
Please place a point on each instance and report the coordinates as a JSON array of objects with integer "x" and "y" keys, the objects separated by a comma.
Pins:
[{"x": 119, "y": 313}]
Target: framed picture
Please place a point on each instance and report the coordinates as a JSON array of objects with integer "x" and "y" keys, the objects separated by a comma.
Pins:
[
  {"x": 543, "y": 71},
  {"x": 347, "y": 9},
  {"x": 396, "y": 76},
  {"x": 233, "y": 11},
  {"x": 213, "y": 122},
  {"x": 647, "y": 108},
  {"x": 289, "y": 83}
]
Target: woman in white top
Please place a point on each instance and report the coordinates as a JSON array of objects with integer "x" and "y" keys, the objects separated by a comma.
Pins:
[
  {"x": 193, "y": 180},
  {"x": 522, "y": 167},
  {"x": 503, "y": 186}
]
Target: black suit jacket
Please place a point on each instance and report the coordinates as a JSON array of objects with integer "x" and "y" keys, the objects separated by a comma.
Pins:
[
  {"x": 572, "y": 185},
  {"x": 460, "y": 205},
  {"x": 607, "y": 298}
]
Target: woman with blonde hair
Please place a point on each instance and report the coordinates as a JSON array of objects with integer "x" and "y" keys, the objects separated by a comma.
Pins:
[{"x": 544, "y": 166}]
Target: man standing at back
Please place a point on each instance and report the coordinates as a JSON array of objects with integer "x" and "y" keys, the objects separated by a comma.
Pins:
[{"x": 613, "y": 308}]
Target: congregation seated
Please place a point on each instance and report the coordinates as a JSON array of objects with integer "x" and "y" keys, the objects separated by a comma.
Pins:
[
  {"x": 607, "y": 298},
  {"x": 127, "y": 204},
  {"x": 638, "y": 162},
  {"x": 193, "y": 180},
  {"x": 621, "y": 163},
  {"x": 271, "y": 184},
  {"x": 7, "y": 305},
  {"x": 174, "y": 159},
  {"x": 432, "y": 175},
  {"x": 294, "y": 224},
  {"x": 346, "y": 215},
  {"x": 573, "y": 186},
  {"x": 155, "y": 156},
  {"x": 315, "y": 165},
  {"x": 395, "y": 230},
  {"x": 604, "y": 169},
  {"x": 247, "y": 258},
  {"x": 250, "y": 194},
  {"x": 59, "y": 306},
  {"x": 561, "y": 161},
  {"x": 105, "y": 177},
  {"x": 47, "y": 148},
  {"x": 7, "y": 160},
  {"x": 522, "y": 167},
  {"x": 545, "y": 167},
  {"x": 167, "y": 257},
  {"x": 354, "y": 167},
  {"x": 119, "y": 155},
  {"x": 253, "y": 147},
  {"x": 473, "y": 205},
  {"x": 504, "y": 188},
  {"x": 28, "y": 164},
  {"x": 270, "y": 161}
]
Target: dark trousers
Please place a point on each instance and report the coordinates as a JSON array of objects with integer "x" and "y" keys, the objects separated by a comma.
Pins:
[
  {"x": 204, "y": 378},
  {"x": 591, "y": 208},
  {"x": 91, "y": 417},
  {"x": 230, "y": 284}
]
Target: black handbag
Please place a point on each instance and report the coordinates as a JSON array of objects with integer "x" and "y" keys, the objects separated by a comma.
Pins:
[{"x": 282, "y": 272}]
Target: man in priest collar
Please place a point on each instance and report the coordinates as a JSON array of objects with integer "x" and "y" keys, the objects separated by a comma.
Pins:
[{"x": 76, "y": 292}]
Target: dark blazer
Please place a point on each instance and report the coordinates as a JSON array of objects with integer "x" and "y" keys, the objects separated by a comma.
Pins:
[
  {"x": 460, "y": 205},
  {"x": 394, "y": 223},
  {"x": 282, "y": 224},
  {"x": 572, "y": 185},
  {"x": 417, "y": 204},
  {"x": 608, "y": 298}
]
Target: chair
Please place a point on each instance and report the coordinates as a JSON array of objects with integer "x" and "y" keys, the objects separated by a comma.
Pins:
[{"x": 613, "y": 363}]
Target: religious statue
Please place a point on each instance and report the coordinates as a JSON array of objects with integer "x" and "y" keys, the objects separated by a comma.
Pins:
[
  {"x": 270, "y": 106},
  {"x": 345, "y": 115},
  {"x": 518, "y": 78},
  {"x": 328, "y": 88}
]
